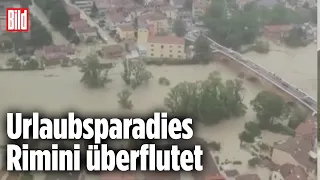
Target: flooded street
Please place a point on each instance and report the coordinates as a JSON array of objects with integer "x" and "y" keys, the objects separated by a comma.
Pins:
[
  {"x": 297, "y": 66},
  {"x": 63, "y": 91}
]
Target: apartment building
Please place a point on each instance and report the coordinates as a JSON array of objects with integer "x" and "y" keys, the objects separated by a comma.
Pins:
[
  {"x": 159, "y": 21},
  {"x": 166, "y": 47},
  {"x": 126, "y": 31}
]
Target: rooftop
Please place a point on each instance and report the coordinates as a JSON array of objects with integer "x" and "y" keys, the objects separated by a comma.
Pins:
[
  {"x": 299, "y": 149},
  {"x": 79, "y": 24},
  {"x": 71, "y": 10},
  {"x": 126, "y": 27},
  {"x": 286, "y": 169},
  {"x": 307, "y": 127},
  {"x": 297, "y": 174},
  {"x": 248, "y": 177},
  {"x": 63, "y": 176},
  {"x": 161, "y": 175},
  {"x": 278, "y": 28},
  {"x": 117, "y": 17},
  {"x": 166, "y": 40},
  {"x": 178, "y": 2},
  {"x": 292, "y": 172},
  {"x": 118, "y": 176},
  {"x": 152, "y": 16}
]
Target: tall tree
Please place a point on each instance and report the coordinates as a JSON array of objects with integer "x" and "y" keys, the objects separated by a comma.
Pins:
[
  {"x": 269, "y": 107},
  {"x": 59, "y": 17},
  {"x": 210, "y": 100},
  {"x": 94, "y": 76},
  {"x": 124, "y": 100},
  {"x": 135, "y": 73},
  {"x": 94, "y": 10},
  {"x": 202, "y": 50},
  {"x": 40, "y": 36},
  {"x": 246, "y": 137},
  {"x": 179, "y": 27}
]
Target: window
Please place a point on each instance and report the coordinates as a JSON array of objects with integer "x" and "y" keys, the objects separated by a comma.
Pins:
[
  {"x": 179, "y": 56},
  {"x": 179, "y": 51},
  {"x": 170, "y": 55},
  {"x": 170, "y": 50},
  {"x": 152, "y": 49},
  {"x": 152, "y": 45},
  {"x": 161, "y": 55},
  {"x": 179, "y": 46},
  {"x": 151, "y": 54},
  {"x": 162, "y": 46},
  {"x": 170, "y": 46}
]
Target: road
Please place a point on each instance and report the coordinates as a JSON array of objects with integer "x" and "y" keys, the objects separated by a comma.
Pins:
[
  {"x": 57, "y": 38},
  {"x": 295, "y": 92},
  {"x": 84, "y": 16}
]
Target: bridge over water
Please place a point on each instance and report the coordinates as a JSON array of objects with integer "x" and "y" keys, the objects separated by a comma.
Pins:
[{"x": 285, "y": 86}]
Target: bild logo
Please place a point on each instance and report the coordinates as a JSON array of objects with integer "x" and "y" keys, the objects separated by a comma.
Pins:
[{"x": 17, "y": 19}]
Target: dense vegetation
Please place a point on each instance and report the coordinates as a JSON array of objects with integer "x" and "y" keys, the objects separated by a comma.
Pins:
[
  {"x": 232, "y": 27},
  {"x": 94, "y": 75},
  {"x": 58, "y": 17},
  {"x": 23, "y": 42},
  {"x": 210, "y": 101}
]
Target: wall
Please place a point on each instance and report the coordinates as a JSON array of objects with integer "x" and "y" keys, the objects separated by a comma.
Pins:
[
  {"x": 168, "y": 50},
  {"x": 143, "y": 35}
]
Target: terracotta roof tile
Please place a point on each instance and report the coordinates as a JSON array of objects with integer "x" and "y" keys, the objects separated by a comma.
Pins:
[
  {"x": 299, "y": 149},
  {"x": 71, "y": 10},
  {"x": 278, "y": 28},
  {"x": 248, "y": 177},
  {"x": 118, "y": 176},
  {"x": 307, "y": 127},
  {"x": 76, "y": 25},
  {"x": 166, "y": 40},
  {"x": 126, "y": 27},
  {"x": 297, "y": 173},
  {"x": 286, "y": 169},
  {"x": 161, "y": 175}
]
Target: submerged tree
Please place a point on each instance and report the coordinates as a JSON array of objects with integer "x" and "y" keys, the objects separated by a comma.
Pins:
[
  {"x": 269, "y": 107},
  {"x": 210, "y": 101},
  {"x": 14, "y": 63},
  {"x": 135, "y": 73},
  {"x": 202, "y": 50},
  {"x": 94, "y": 76},
  {"x": 124, "y": 100},
  {"x": 244, "y": 136}
]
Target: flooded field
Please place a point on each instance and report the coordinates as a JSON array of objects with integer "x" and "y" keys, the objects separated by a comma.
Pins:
[{"x": 63, "y": 91}]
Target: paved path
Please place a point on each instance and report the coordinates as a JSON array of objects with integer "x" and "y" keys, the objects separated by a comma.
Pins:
[
  {"x": 102, "y": 32},
  {"x": 57, "y": 38},
  {"x": 295, "y": 92}
]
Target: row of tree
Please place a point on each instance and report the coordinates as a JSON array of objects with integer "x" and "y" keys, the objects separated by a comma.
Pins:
[
  {"x": 232, "y": 26},
  {"x": 22, "y": 43},
  {"x": 25, "y": 63},
  {"x": 58, "y": 17}
]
